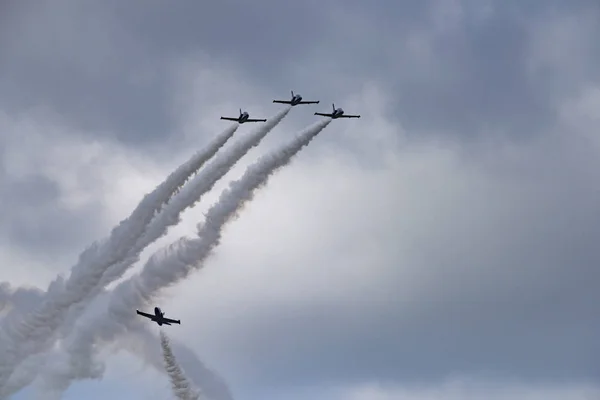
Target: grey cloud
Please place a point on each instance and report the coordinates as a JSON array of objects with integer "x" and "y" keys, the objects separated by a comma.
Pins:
[
  {"x": 74, "y": 58},
  {"x": 475, "y": 74},
  {"x": 505, "y": 277},
  {"x": 115, "y": 76},
  {"x": 518, "y": 264},
  {"x": 118, "y": 81},
  {"x": 32, "y": 214},
  {"x": 466, "y": 80}
]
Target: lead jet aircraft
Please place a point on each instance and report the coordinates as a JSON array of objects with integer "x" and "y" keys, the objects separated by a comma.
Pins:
[
  {"x": 158, "y": 317},
  {"x": 244, "y": 117},
  {"x": 337, "y": 113},
  {"x": 296, "y": 99}
]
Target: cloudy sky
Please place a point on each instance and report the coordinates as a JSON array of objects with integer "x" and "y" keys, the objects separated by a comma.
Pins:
[{"x": 442, "y": 247}]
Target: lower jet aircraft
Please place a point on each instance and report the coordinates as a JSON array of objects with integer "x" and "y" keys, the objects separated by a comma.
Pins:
[
  {"x": 158, "y": 317},
  {"x": 296, "y": 99},
  {"x": 244, "y": 117},
  {"x": 337, "y": 113}
]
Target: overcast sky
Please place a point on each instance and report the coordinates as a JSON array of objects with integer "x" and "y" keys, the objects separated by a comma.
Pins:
[{"x": 442, "y": 247}]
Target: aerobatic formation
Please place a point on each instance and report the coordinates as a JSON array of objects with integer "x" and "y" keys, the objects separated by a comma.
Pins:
[
  {"x": 295, "y": 100},
  {"x": 50, "y": 339}
]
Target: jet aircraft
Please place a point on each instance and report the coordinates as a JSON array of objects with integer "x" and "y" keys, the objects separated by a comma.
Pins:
[
  {"x": 244, "y": 117},
  {"x": 296, "y": 99},
  {"x": 337, "y": 113},
  {"x": 159, "y": 317}
]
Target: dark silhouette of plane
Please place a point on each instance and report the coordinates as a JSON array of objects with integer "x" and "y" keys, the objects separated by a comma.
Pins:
[
  {"x": 158, "y": 317},
  {"x": 296, "y": 99},
  {"x": 337, "y": 113},
  {"x": 244, "y": 117}
]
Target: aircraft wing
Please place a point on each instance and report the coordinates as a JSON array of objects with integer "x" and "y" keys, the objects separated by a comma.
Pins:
[
  {"x": 324, "y": 115},
  {"x": 171, "y": 321},
  {"x": 143, "y": 314},
  {"x": 282, "y": 101},
  {"x": 309, "y": 102},
  {"x": 349, "y": 116},
  {"x": 255, "y": 120},
  {"x": 230, "y": 118}
]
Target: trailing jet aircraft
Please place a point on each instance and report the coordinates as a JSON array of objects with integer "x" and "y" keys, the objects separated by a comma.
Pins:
[
  {"x": 296, "y": 99},
  {"x": 244, "y": 117},
  {"x": 159, "y": 317},
  {"x": 337, "y": 113}
]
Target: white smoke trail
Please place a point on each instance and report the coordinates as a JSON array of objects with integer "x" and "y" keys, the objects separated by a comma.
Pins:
[
  {"x": 204, "y": 181},
  {"x": 141, "y": 342},
  {"x": 187, "y": 197},
  {"x": 193, "y": 191},
  {"x": 116, "y": 271},
  {"x": 169, "y": 266},
  {"x": 36, "y": 332},
  {"x": 20, "y": 299},
  {"x": 182, "y": 389},
  {"x": 168, "y": 216}
]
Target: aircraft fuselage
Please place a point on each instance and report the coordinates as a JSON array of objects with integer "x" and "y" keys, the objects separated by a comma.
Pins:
[
  {"x": 338, "y": 112},
  {"x": 296, "y": 100},
  {"x": 159, "y": 317},
  {"x": 244, "y": 117}
]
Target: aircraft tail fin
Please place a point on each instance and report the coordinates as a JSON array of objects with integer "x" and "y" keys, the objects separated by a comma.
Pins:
[
  {"x": 333, "y": 106},
  {"x": 240, "y": 111},
  {"x": 292, "y": 93}
]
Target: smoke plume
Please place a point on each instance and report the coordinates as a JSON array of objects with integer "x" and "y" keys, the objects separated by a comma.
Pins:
[
  {"x": 22, "y": 337},
  {"x": 175, "y": 263},
  {"x": 182, "y": 389},
  {"x": 97, "y": 279}
]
